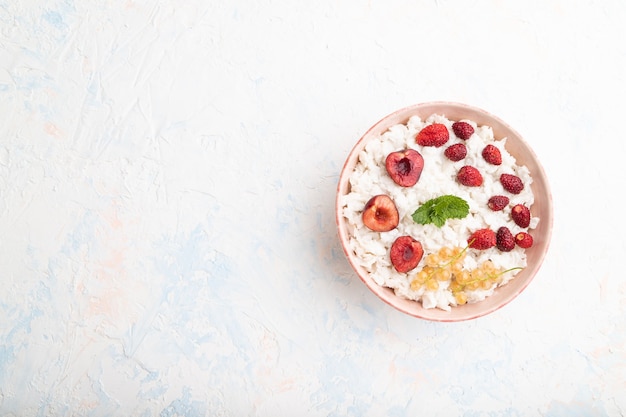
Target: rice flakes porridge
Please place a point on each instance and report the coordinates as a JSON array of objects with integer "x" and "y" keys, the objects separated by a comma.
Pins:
[{"x": 438, "y": 178}]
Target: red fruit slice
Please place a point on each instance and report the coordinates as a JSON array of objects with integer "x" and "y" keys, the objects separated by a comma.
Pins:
[
  {"x": 405, "y": 167},
  {"x": 405, "y": 253},
  {"x": 435, "y": 134},
  {"x": 380, "y": 214},
  {"x": 469, "y": 176},
  {"x": 462, "y": 130},
  {"x": 482, "y": 239}
]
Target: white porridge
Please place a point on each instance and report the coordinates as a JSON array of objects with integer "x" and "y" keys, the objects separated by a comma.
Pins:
[{"x": 438, "y": 283}]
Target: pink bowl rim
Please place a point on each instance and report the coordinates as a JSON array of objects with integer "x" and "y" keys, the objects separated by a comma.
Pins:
[{"x": 437, "y": 315}]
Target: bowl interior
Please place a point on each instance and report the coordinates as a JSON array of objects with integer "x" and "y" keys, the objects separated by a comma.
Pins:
[{"x": 541, "y": 208}]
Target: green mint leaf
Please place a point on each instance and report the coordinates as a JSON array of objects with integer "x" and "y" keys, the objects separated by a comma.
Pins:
[
  {"x": 422, "y": 214},
  {"x": 440, "y": 209},
  {"x": 438, "y": 220},
  {"x": 451, "y": 206}
]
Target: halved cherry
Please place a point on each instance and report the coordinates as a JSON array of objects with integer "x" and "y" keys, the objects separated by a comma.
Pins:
[
  {"x": 380, "y": 214},
  {"x": 405, "y": 253},
  {"x": 405, "y": 167}
]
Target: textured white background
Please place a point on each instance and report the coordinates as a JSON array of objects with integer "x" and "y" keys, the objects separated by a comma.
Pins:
[{"x": 167, "y": 182}]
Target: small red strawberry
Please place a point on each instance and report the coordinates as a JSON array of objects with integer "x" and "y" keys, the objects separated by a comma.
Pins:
[
  {"x": 524, "y": 240},
  {"x": 520, "y": 215},
  {"x": 482, "y": 239},
  {"x": 456, "y": 152},
  {"x": 462, "y": 130},
  {"x": 498, "y": 202},
  {"x": 492, "y": 154},
  {"x": 504, "y": 239},
  {"x": 512, "y": 183},
  {"x": 469, "y": 176},
  {"x": 435, "y": 134}
]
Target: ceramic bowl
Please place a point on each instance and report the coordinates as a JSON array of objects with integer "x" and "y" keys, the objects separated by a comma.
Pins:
[{"x": 541, "y": 208}]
